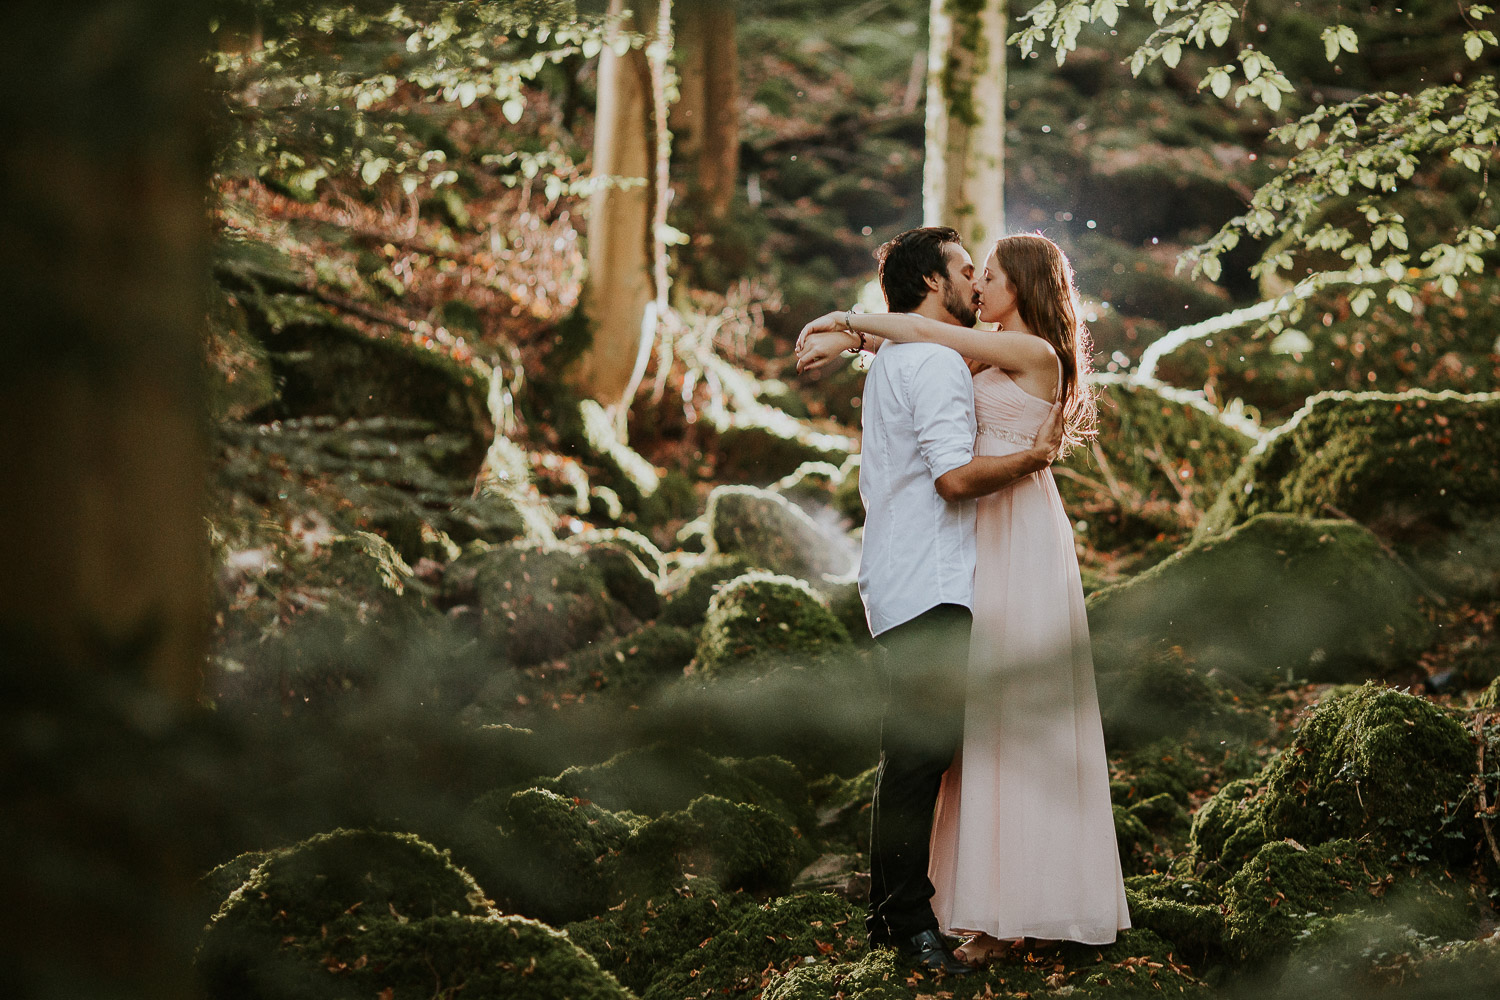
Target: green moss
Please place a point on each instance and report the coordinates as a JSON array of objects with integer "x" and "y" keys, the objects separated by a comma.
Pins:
[
  {"x": 761, "y": 618},
  {"x": 1421, "y": 469},
  {"x": 556, "y": 859},
  {"x": 1277, "y": 895},
  {"x": 636, "y": 665},
  {"x": 775, "y": 535},
  {"x": 538, "y": 602},
  {"x": 737, "y": 844},
  {"x": 634, "y": 542},
  {"x": 844, "y": 809},
  {"x": 878, "y": 975},
  {"x": 688, "y": 596},
  {"x": 270, "y": 930},
  {"x": 759, "y": 454},
  {"x": 1377, "y": 764},
  {"x": 1183, "y": 911},
  {"x": 1161, "y": 812},
  {"x": 665, "y": 777},
  {"x": 626, "y": 578},
  {"x": 1230, "y": 826},
  {"x": 1132, "y": 838},
  {"x": 1164, "y": 695},
  {"x": 1277, "y": 594}
]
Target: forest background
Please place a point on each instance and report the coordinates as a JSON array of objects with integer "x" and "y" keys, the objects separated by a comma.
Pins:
[{"x": 362, "y": 522}]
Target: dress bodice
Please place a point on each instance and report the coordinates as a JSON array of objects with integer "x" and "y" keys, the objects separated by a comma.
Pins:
[{"x": 1008, "y": 416}]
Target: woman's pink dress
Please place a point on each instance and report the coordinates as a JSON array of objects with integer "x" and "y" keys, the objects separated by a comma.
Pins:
[{"x": 1023, "y": 840}]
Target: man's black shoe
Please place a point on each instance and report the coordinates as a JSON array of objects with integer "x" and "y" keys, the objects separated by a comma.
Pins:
[{"x": 928, "y": 951}]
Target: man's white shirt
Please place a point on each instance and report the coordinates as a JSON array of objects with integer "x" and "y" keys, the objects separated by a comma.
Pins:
[{"x": 918, "y": 423}]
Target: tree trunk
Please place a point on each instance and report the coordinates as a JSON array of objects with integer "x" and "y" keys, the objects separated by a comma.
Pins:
[
  {"x": 705, "y": 119},
  {"x": 104, "y": 586},
  {"x": 963, "y": 183},
  {"x": 619, "y": 294}
]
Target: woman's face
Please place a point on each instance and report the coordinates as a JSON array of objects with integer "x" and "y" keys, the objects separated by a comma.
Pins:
[{"x": 997, "y": 296}]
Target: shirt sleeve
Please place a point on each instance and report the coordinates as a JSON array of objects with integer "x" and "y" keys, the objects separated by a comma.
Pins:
[{"x": 942, "y": 401}]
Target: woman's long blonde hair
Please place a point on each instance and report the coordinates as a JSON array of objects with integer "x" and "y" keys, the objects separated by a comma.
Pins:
[{"x": 1047, "y": 301}]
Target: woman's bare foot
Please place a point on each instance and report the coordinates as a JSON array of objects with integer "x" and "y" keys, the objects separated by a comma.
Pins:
[{"x": 981, "y": 949}]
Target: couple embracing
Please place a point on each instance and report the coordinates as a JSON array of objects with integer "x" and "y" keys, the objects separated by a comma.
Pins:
[{"x": 991, "y": 817}]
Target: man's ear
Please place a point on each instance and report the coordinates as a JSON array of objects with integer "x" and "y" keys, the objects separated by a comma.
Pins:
[{"x": 933, "y": 283}]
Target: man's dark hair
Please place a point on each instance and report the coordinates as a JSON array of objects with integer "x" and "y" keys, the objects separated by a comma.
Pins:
[{"x": 909, "y": 258}]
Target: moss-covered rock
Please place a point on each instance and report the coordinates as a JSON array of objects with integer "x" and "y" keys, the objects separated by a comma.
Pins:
[
  {"x": 773, "y": 534},
  {"x": 1182, "y": 911},
  {"x": 626, "y": 578},
  {"x": 1132, "y": 838},
  {"x": 737, "y": 844},
  {"x": 761, "y": 619},
  {"x": 271, "y": 928},
  {"x": 634, "y": 542},
  {"x": 1280, "y": 891},
  {"x": 1420, "y": 469},
  {"x": 760, "y": 454},
  {"x": 1230, "y": 827},
  {"x": 556, "y": 856},
  {"x": 844, "y": 809},
  {"x": 665, "y": 777},
  {"x": 1277, "y": 594},
  {"x": 697, "y": 939},
  {"x": 636, "y": 665},
  {"x": 1379, "y": 765},
  {"x": 1164, "y": 695},
  {"x": 689, "y": 591},
  {"x": 538, "y": 602}
]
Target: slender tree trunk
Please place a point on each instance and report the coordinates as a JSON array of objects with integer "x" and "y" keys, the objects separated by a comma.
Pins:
[
  {"x": 103, "y": 552},
  {"x": 619, "y": 294},
  {"x": 705, "y": 119},
  {"x": 963, "y": 184}
]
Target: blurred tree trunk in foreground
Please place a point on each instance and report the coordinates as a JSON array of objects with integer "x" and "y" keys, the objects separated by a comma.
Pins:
[
  {"x": 705, "y": 118},
  {"x": 103, "y": 578},
  {"x": 623, "y": 243},
  {"x": 963, "y": 183}
]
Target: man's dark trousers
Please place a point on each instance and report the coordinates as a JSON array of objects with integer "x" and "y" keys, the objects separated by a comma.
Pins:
[{"x": 925, "y": 662}]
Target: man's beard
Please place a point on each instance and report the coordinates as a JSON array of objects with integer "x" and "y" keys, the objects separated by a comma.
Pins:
[{"x": 958, "y": 307}]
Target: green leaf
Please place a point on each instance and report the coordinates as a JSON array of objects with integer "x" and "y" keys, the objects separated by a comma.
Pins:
[{"x": 1473, "y": 45}]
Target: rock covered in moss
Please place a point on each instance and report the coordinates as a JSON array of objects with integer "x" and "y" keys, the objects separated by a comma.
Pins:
[
  {"x": 1157, "y": 442},
  {"x": 844, "y": 808},
  {"x": 1132, "y": 838},
  {"x": 760, "y": 453},
  {"x": 761, "y": 618},
  {"x": 776, "y": 535},
  {"x": 637, "y": 544},
  {"x": 878, "y": 975},
  {"x": 664, "y": 777},
  {"x": 1230, "y": 827},
  {"x": 690, "y": 590},
  {"x": 1182, "y": 911},
  {"x": 696, "y": 939},
  {"x": 1277, "y": 594},
  {"x": 1165, "y": 695},
  {"x": 1421, "y": 469},
  {"x": 537, "y": 602},
  {"x": 636, "y": 665},
  {"x": 1280, "y": 891},
  {"x": 557, "y": 856},
  {"x": 626, "y": 578},
  {"x": 1380, "y": 765},
  {"x": 737, "y": 844},
  {"x": 271, "y": 928}
]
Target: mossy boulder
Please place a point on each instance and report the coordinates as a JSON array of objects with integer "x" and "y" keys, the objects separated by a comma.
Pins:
[
  {"x": 1158, "y": 442},
  {"x": 737, "y": 844},
  {"x": 1278, "y": 594},
  {"x": 844, "y": 809},
  {"x": 1380, "y": 765},
  {"x": 760, "y": 453},
  {"x": 1133, "y": 840},
  {"x": 664, "y": 777},
  {"x": 1420, "y": 469},
  {"x": 1280, "y": 891},
  {"x": 637, "y": 544},
  {"x": 776, "y": 535},
  {"x": 536, "y": 602},
  {"x": 877, "y": 975},
  {"x": 688, "y": 591},
  {"x": 1182, "y": 911},
  {"x": 1165, "y": 695},
  {"x": 636, "y": 665},
  {"x": 626, "y": 578},
  {"x": 760, "y": 620},
  {"x": 556, "y": 857},
  {"x": 1370, "y": 763},
  {"x": 697, "y": 939}
]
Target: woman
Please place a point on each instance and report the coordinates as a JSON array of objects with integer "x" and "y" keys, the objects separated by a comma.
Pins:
[{"x": 1023, "y": 842}]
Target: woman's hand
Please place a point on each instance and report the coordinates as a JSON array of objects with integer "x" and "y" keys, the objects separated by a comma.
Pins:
[{"x": 821, "y": 342}]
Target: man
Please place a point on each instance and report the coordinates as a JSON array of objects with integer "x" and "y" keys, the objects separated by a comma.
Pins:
[{"x": 919, "y": 478}]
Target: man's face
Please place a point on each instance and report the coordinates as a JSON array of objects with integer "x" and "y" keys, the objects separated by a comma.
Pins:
[{"x": 956, "y": 287}]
